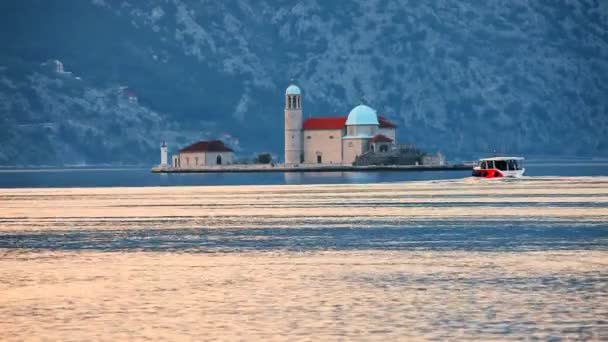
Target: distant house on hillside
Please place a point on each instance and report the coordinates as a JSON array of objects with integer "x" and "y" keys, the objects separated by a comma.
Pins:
[
  {"x": 58, "y": 65},
  {"x": 203, "y": 153},
  {"x": 130, "y": 95}
]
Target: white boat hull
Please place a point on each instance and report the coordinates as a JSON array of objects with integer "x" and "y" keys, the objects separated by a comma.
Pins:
[{"x": 496, "y": 173}]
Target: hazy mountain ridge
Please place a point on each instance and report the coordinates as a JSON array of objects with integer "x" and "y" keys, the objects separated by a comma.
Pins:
[
  {"x": 518, "y": 76},
  {"x": 60, "y": 119}
]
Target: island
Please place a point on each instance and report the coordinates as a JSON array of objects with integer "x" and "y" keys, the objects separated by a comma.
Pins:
[{"x": 360, "y": 141}]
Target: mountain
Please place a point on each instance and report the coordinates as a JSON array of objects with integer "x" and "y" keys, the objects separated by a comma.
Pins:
[{"x": 466, "y": 78}]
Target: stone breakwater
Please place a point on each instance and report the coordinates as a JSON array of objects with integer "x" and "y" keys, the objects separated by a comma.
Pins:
[{"x": 310, "y": 168}]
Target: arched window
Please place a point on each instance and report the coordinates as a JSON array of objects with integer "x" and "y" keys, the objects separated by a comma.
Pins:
[
  {"x": 383, "y": 148},
  {"x": 218, "y": 160}
]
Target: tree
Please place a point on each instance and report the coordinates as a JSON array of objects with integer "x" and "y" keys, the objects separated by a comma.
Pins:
[{"x": 263, "y": 158}]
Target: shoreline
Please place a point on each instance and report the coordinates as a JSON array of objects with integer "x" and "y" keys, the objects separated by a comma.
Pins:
[{"x": 324, "y": 168}]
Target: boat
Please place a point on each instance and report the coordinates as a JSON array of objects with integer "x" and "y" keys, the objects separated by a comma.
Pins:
[{"x": 496, "y": 167}]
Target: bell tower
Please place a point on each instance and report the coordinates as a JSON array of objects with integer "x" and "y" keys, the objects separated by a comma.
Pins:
[{"x": 293, "y": 125}]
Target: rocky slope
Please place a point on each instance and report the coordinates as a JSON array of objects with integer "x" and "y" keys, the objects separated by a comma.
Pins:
[{"x": 471, "y": 77}]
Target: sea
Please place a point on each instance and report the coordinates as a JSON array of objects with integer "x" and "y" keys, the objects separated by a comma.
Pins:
[{"x": 124, "y": 254}]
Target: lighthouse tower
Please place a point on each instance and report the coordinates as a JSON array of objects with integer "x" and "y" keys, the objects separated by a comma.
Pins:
[
  {"x": 163, "y": 154},
  {"x": 293, "y": 125}
]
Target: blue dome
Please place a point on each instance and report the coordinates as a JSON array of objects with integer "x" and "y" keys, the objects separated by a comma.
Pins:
[
  {"x": 293, "y": 90},
  {"x": 362, "y": 115}
]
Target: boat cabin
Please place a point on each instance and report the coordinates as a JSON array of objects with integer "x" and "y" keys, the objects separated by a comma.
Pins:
[
  {"x": 499, "y": 167},
  {"x": 502, "y": 163}
]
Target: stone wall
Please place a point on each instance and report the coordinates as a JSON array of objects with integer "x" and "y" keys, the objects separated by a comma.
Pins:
[
  {"x": 326, "y": 143},
  {"x": 402, "y": 155},
  {"x": 201, "y": 159},
  {"x": 352, "y": 148}
]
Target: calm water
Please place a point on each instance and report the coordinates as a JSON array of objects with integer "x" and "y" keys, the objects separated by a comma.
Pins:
[
  {"x": 462, "y": 259},
  {"x": 142, "y": 177}
]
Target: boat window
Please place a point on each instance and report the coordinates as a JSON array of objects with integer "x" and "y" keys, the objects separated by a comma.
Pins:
[
  {"x": 501, "y": 164},
  {"x": 513, "y": 165},
  {"x": 484, "y": 165}
]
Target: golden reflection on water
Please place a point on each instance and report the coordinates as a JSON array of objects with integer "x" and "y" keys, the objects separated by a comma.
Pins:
[
  {"x": 372, "y": 294},
  {"x": 302, "y": 205}
]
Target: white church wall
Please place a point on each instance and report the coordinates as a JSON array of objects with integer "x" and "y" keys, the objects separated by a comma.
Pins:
[
  {"x": 327, "y": 143},
  {"x": 353, "y": 147},
  {"x": 211, "y": 158},
  {"x": 189, "y": 160},
  {"x": 193, "y": 160},
  {"x": 362, "y": 130}
]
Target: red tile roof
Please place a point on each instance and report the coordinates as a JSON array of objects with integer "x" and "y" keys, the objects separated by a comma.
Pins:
[
  {"x": 207, "y": 146},
  {"x": 336, "y": 122},
  {"x": 381, "y": 138},
  {"x": 384, "y": 123}
]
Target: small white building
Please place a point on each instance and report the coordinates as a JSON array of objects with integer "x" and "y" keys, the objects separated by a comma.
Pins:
[
  {"x": 130, "y": 95},
  {"x": 163, "y": 154},
  {"x": 58, "y": 66},
  {"x": 437, "y": 159},
  {"x": 202, "y": 154}
]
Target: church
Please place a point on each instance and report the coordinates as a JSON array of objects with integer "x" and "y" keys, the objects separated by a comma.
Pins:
[{"x": 333, "y": 140}]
